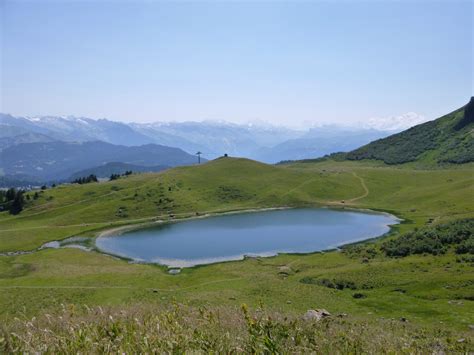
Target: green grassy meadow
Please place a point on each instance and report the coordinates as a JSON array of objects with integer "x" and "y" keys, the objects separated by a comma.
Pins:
[{"x": 435, "y": 292}]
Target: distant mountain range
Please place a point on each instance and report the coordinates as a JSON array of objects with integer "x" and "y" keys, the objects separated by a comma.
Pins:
[
  {"x": 77, "y": 129},
  {"x": 215, "y": 139},
  {"x": 262, "y": 142},
  {"x": 55, "y": 161},
  {"x": 57, "y": 148}
]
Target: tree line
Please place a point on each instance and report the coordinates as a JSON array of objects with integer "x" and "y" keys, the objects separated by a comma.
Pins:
[
  {"x": 13, "y": 200},
  {"x": 117, "y": 176},
  {"x": 85, "y": 180}
]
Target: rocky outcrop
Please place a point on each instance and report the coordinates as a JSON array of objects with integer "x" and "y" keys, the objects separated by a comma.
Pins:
[{"x": 316, "y": 314}]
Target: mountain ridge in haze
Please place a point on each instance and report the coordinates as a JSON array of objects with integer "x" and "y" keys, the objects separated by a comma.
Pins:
[
  {"x": 257, "y": 140},
  {"x": 54, "y": 161}
]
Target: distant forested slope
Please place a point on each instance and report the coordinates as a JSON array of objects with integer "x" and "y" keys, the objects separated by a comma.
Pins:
[{"x": 449, "y": 139}]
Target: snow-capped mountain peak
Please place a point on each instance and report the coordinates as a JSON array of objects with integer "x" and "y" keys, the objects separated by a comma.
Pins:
[{"x": 394, "y": 123}]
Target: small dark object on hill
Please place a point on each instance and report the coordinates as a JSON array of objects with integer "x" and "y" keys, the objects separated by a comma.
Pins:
[{"x": 17, "y": 204}]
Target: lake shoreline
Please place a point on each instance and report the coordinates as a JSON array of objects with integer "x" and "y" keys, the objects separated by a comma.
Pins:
[
  {"x": 117, "y": 231},
  {"x": 180, "y": 263}
]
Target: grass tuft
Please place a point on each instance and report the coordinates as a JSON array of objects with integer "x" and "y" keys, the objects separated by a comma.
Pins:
[{"x": 178, "y": 329}]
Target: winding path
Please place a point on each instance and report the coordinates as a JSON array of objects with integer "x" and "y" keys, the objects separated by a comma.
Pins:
[
  {"x": 354, "y": 199},
  {"x": 364, "y": 186}
]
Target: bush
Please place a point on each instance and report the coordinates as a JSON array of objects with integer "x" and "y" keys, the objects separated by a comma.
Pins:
[
  {"x": 434, "y": 240},
  {"x": 338, "y": 284},
  {"x": 467, "y": 246},
  {"x": 364, "y": 251}
]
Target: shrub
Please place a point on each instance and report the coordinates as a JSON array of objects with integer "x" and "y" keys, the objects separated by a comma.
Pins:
[
  {"x": 467, "y": 246},
  {"x": 338, "y": 284},
  {"x": 434, "y": 240}
]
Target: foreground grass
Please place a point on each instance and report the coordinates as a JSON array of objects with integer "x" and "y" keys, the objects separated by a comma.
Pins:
[{"x": 180, "y": 329}]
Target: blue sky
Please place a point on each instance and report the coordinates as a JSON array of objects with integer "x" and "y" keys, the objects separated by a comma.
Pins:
[{"x": 282, "y": 62}]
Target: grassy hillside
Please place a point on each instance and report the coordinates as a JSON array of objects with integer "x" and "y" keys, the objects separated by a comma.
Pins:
[
  {"x": 433, "y": 292},
  {"x": 449, "y": 139}
]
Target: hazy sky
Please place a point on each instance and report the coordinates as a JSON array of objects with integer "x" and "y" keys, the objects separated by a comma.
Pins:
[{"x": 282, "y": 62}]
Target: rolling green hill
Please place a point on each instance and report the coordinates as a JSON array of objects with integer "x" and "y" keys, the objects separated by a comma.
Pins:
[{"x": 449, "y": 139}]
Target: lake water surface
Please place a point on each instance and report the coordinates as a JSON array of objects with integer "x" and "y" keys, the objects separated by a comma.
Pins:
[{"x": 231, "y": 237}]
